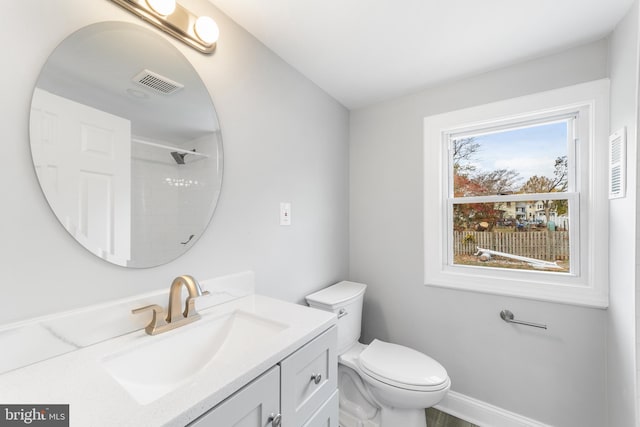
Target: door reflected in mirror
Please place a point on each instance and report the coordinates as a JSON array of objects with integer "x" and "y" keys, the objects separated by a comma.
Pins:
[{"x": 126, "y": 144}]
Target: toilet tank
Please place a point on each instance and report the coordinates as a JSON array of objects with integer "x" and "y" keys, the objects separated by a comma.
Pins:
[{"x": 345, "y": 300}]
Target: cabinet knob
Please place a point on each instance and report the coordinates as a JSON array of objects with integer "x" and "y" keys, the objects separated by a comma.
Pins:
[
  {"x": 275, "y": 420},
  {"x": 316, "y": 378}
]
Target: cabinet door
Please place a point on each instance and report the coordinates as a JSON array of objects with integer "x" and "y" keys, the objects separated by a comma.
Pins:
[
  {"x": 309, "y": 378},
  {"x": 251, "y": 406},
  {"x": 327, "y": 415}
]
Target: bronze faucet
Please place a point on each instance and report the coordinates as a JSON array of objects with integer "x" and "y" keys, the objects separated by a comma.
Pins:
[{"x": 175, "y": 317}]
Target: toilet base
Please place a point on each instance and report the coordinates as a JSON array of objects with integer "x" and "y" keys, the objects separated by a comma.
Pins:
[
  {"x": 386, "y": 417},
  {"x": 346, "y": 419},
  {"x": 403, "y": 417}
]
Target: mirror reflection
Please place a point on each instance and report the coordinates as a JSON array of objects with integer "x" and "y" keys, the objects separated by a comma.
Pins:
[{"x": 126, "y": 144}]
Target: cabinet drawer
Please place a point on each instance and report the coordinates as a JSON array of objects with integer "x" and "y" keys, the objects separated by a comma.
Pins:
[
  {"x": 308, "y": 378},
  {"x": 327, "y": 415},
  {"x": 251, "y": 406}
]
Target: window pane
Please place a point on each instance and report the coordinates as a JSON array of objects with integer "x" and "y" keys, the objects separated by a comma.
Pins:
[
  {"x": 512, "y": 235},
  {"x": 521, "y": 160}
]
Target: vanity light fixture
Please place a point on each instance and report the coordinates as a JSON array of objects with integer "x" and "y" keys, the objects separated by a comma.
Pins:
[
  {"x": 199, "y": 32},
  {"x": 163, "y": 7},
  {"x": 206, "y": 29}
]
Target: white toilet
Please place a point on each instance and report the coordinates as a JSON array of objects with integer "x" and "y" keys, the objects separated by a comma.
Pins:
[{"x": 382, "y": 384}]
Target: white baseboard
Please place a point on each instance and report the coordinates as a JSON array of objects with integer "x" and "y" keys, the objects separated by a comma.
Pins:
[{"x": 481, "y": 413}]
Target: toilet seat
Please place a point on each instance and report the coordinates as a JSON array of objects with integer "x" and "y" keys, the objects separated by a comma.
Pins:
[{"x": 402, "y": 367}]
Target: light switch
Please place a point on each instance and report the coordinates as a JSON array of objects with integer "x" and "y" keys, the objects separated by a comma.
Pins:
[{"x": 285, "y": 213}]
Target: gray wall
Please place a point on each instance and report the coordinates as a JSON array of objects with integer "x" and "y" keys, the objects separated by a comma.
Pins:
[
  {"x": 621, "y": 335},
  {"x": 555, "y": 376},
  {"x": 284, "y": 140}
]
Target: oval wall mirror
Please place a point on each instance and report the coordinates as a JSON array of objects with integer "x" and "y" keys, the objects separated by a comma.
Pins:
[{"x": 126, "y": 144}]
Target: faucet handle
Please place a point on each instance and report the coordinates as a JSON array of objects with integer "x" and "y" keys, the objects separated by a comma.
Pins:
[
  {"x": 157, "y": 320},
  {"x": 190, "y": 305}
]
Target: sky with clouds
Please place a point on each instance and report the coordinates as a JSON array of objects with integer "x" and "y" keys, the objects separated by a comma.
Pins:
[{"x": 529, "y": 151}]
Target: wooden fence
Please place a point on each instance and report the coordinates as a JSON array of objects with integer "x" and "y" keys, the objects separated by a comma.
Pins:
[{"x": 543, "y": 245}]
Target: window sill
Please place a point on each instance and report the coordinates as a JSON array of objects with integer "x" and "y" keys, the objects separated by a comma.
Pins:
[{"x": 573, "y": 294}]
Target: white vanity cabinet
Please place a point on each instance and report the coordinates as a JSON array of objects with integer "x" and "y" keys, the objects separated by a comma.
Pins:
[
  {"x": 255, "y": 405},
  {"x": 309, "y": 378},
  {"x": 301, "y": 391},
  {"x": 327, "y": 415}
]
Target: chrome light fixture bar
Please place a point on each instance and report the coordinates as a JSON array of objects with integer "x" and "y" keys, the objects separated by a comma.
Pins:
[{"x": 201, "y": 33}]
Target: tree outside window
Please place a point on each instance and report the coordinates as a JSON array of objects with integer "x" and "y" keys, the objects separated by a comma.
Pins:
[{"x": 491, "y": 173}]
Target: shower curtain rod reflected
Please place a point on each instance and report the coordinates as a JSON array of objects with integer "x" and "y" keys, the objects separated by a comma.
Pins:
[{"x": 167, "y": 147}]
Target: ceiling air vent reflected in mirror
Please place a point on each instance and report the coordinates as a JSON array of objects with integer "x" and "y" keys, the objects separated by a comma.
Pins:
[{"x": 157, "y": 83}]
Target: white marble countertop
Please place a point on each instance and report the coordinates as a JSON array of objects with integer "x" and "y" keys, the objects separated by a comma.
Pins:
[{"x": 78, "y": 378}]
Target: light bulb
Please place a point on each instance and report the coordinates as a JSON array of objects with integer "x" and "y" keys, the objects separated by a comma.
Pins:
[
  {"x": 207, "y": 29},
  {"x": 163, "y": 7}
]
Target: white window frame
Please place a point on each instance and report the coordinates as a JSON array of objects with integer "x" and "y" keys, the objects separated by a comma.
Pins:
[
  {"x": 587, "y": 282},
  {"x": 576, "y": 124}
]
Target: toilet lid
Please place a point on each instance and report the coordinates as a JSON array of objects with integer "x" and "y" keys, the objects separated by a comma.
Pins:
[{"x": 402, "y": 367}]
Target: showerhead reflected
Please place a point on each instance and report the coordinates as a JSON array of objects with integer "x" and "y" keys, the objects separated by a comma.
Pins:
[{"x": 178, "y": 157}]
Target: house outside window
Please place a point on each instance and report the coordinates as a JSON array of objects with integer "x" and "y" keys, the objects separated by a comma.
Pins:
[{"x": 522, "y": 202}]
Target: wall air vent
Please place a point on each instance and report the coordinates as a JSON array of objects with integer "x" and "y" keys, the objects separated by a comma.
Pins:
[
  {"x": 156, "y": 82},
  {"x": 617, "y": 163}
]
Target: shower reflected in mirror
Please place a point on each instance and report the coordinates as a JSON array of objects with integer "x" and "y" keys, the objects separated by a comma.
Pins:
[{"x": 126, "y": 144}]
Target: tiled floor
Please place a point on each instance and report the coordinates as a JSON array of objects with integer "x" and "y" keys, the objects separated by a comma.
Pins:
[{"x": 437, "y": 418}]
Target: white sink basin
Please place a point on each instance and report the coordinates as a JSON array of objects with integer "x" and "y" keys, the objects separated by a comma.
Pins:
[{"x": 162, "y": 363}]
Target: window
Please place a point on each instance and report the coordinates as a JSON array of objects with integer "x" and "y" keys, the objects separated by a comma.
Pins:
[
  {"x": 530, "y": 161},
  {"x": 522, "y": 190}
]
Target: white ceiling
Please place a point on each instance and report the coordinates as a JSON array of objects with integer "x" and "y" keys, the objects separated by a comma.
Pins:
[{"x": 363, "y": 51}]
